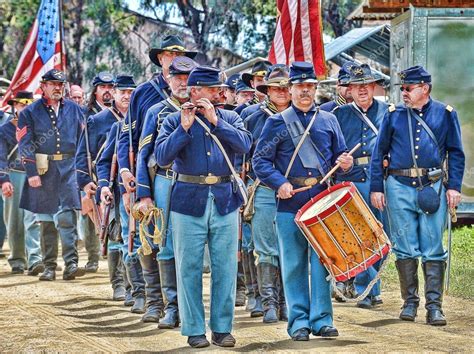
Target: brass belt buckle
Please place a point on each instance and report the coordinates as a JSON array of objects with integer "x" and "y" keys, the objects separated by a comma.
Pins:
[
  {"x": 169, "y": 173},
  {"x": 57, "y": 157},
  {"x": 311, "y": 181},
  {"x": 211, "y": 179},
  {"x": 363, "y": 160}
]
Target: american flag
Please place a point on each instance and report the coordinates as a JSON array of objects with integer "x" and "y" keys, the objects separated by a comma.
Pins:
[
  {"x": 298, "y": 35},
  {"x": 43, "y": 50}
]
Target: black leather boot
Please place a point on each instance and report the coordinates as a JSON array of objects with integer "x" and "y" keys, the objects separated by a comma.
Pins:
[
  {"x": 114, "y": 261},
  {"x": 154, "y": 298},
  {"x": 128, "y": 301},
  {"x": 248, "y": 282},
  {"x": 283, "y": 310},
  {"x": 257, "y": 311},
  {"x": 240, "y": 289},
  {"x": 170, "y": 292},
  {"x": 268, "y": 287},
  {"x": 49, "y": 249},
  {"x": 434, "y": 281},
  {"x": 135, "y": 276},
  {"x": 408, "y": 274}
]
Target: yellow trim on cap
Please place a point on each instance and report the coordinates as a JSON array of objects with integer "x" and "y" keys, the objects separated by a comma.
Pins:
[
  {"x": 176, "y": 48},
  {"x": 23, "y": 100},
  {"x": 259, "y": 73}
]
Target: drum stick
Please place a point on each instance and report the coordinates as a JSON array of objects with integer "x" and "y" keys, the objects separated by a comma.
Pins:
[
  {"x": 354, "y": 149},
  {"x": 302, "y": 189}
]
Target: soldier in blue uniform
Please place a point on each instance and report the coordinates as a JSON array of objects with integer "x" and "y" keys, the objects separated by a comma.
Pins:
[
  {"x": 159, "y": 192},
  {"x": 115, "y": 192},
  {"x": 417, "y": 136},
  {"x": 48, "y": 132},
  {"x": 208, "y": 178},
  {"x": 244, "y": 96},
  {"x": 229, "y": 92},
  {"x": 98, "y": 125},
  {"x": 264, "y": 236},
  {"x": 343, "y": 95},
  {"x": 257, "y": 77},
  {"x": 22, "y": 229},
  {"x": 101, "y": 97},
  {"x": 309, "y": 307},
  {"x": 145, "y": 96},
  {"x": 360, "y": 122}
]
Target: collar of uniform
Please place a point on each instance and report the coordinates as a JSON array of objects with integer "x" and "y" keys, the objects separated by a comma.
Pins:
[
  {"x": 162, "y": 83},
  {"x": 424, "y": 108},
  {"x": 298, "y": 111},
  {"x": 371, "y": 108},
  {"x": 45, "y": 102}
]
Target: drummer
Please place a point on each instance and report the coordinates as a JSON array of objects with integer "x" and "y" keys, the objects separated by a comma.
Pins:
[
  {"x": 360, "y": 121},
  {"x": 417, "y": 222},
  {"x": 310, "y": 308}
]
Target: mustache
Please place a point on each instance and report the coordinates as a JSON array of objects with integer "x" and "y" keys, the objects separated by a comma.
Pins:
[{"x": 305, "y": 95}]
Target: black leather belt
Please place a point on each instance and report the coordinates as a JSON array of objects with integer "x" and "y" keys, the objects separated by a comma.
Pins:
[
  {"x": 409, "y": 172},
  {"x": 60, "y": 157},
  {"x": 304, "y": 181},
  {"x": 203, "y": 179}
]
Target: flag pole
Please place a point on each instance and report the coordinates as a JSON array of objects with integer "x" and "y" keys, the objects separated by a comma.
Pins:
[{"x": 61, "y": 37}]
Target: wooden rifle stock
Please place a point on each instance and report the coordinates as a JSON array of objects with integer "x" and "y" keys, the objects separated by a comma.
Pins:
[{"x": 132, "y": 227}]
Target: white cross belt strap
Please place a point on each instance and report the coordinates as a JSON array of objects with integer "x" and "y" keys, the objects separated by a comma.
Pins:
[
  {"x": 237, "y": 179},
  {"x": 364, "y": 118}
]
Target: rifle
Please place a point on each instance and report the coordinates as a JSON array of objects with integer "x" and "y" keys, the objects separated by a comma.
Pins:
[
  {"x": 132, "y": 227},
  {"x": 95, "y": 211},
  {"x": 103, "y": 236},
  {"x": 243, "y": 176}
]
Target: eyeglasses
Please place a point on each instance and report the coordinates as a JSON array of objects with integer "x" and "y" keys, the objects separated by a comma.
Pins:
[{"x": 409, "y": 88}]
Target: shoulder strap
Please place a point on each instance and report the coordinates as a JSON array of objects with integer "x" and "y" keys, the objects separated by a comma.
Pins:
[
  {"x": 427, "y": 129},
  {"x": 118, "y": 117},
  {"x": 363, "y": 117},
  {"x": 12, "y": 152},
  {"x": 301, "y": 141},
  {"x": 164, "y": 95},
  {"x": 226, "y": 157}
]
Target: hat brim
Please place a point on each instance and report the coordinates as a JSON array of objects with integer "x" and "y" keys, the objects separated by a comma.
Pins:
[
  {"x": 13, "y": 100},
  {"x": 263, "y": 88},
  {"x": 247, "y": 77},
  {"x": 153, "y": 54},
  {"x": 125, "y": 88},
  {"x": 300, "y": 81},
  {"x": 363, "y": 82},
  {"x": 412, "y": 83}
]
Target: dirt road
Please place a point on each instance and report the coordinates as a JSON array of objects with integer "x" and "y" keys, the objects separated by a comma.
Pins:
[{"x": 78, "y": 316}]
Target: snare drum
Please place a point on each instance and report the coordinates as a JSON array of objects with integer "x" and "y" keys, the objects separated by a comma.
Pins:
[{"x": 343, "y": 231}]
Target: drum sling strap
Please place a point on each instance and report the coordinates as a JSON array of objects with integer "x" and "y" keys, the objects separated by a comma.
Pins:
[{"x": 304, "y": 148}]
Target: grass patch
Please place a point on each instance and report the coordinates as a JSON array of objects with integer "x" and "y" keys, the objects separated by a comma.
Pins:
[{"x": 462, "y": 265}]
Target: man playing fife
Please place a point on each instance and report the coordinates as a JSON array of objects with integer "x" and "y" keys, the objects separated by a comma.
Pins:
[
  {"x": 204, "y": 176},
  {"x": 309, "y": 307}
]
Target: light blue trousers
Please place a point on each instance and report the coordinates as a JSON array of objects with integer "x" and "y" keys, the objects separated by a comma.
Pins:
[
  {"x": 190, "y": 236},
  {"x": 22, "y": 229},
  {"x": 309, "y": 304},
  {"x": 126, "y": 237},
  {"x": 160, "y": 194},
  {"x": 263, "y": 231},
  {"x": 413, "y": 233}
]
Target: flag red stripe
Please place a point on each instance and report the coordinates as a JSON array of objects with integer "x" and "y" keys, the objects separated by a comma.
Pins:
[{"x": 289, "y": 43}]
